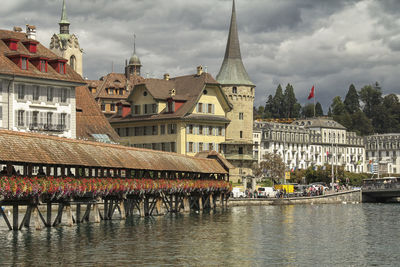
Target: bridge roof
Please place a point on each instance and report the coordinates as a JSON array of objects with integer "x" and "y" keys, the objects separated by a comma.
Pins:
[{"x": 18, "y": 147}]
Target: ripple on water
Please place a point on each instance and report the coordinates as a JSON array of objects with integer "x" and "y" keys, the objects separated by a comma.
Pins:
[{"x": 303, "y": 235}]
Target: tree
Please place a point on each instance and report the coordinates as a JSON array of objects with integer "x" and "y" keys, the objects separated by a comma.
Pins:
[
  {"x": 337, "y": 106},
  {"x": 318, "y": 110},
  {"x": 271, "y": 165},
  {"x": 361, "y": 124},
  {"x": 290, "y": 104},
  {"x": 372, "y": 98},
  {"x": 277, "y": 104},
  {"x": 351, "y": 102},
  {"x": 308, "y": 111},
  {"x": 269, "y": 107},
  {"x": 329, "y": 112}
]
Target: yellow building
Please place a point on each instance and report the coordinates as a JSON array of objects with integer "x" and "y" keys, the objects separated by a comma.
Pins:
[{"x": 184, "y": 114}]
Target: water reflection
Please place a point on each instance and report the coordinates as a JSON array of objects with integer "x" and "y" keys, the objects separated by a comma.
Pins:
[{"x": 333, "y": 235}]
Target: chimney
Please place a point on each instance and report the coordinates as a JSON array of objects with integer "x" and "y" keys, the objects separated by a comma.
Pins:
[
  {"x": 17, "y": 29},
  {"x": 166, "y": 76},
  {"x": 31, "y": 31},
  {"x": 199, "y": 70}
]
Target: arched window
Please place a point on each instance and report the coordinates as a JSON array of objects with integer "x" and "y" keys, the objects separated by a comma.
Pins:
[{"x": 72, "y": 62}]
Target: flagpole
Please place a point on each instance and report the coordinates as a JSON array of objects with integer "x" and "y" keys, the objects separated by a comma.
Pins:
[{"x": 314, "y": 101}]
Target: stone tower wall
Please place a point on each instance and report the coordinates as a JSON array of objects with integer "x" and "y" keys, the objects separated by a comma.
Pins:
[{"x": 242, "y": 102}]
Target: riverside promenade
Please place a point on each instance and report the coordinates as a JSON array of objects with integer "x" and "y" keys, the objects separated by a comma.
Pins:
[{"x": 348, "y": 196}]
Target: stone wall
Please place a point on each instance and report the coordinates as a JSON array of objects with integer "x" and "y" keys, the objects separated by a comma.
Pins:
[{"x": 353, "y": 196}]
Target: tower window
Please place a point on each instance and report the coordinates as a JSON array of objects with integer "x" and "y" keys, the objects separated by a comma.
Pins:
[
  {"x": 241, "y": 134},
  {"x": 72, "y": 62},
  {"x": 234, "y": 90},
  {"x": 240, "y": 115}
]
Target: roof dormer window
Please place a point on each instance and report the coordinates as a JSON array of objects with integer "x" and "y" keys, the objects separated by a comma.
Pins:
[
  {"x": 24, "y": 63},
  {"x": 11, "y": 43},
  {"x": 43, "y": 65},
  {"x": 40, "y": 63},
  {"x": 31, "y": 45},
  {"x": 59, "y": 65}
]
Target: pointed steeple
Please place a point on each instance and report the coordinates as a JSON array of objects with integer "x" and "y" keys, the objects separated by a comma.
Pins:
[
  {"x": 232, "y": 71},
  {"x": 64, "y": 23}
]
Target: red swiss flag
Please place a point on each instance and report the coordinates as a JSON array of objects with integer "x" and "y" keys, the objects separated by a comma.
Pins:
[{"x": 311, "y": 95}]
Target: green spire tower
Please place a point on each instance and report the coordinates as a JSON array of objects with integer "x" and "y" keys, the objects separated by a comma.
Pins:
[{"x": 64, "y": 23}]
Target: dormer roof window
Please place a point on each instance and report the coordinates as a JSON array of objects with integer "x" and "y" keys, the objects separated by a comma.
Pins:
[
  {"x": 12, "y": 43},
  {"x": 59, "y": 65},
  {"x": 21, "y": 60},
  {"x": 31, "y": 45},
  {"x": 40, "y": 63}
]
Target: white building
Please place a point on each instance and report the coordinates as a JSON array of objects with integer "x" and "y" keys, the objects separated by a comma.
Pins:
[
  {"x": 311, "y": 142},
  {"x": 384, "y": 150},
  {"x": 37, "y": 88}
]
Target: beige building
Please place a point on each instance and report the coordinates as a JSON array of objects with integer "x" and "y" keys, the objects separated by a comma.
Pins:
[
  {"x": 66, "y": 45},
  {"x": 184, "y": 114},
  {"x": 238, "y": 88}
]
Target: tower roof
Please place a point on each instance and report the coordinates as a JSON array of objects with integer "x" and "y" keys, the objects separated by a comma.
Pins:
[
  {"x": 134, "y": 60},
  {"x": 232, "y": 70},
  {"x": 64, "y": 19}
]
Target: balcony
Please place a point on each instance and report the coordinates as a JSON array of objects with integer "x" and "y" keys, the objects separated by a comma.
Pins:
[
  {"x": 246, "y": 157},
  {"x": 47, "y": 127}
]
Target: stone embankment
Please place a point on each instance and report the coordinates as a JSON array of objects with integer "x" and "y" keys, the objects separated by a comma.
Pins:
[{"x": 351, "y": 196}]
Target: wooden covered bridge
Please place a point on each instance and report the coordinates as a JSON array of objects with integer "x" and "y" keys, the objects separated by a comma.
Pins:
[{"x": 100, "y": 181}]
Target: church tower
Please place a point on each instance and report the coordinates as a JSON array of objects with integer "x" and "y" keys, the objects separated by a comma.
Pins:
[
  {"x": 66, "y": 45},
  {"x": 133, "y": 68},
  {"x": 239, "y": 89}
]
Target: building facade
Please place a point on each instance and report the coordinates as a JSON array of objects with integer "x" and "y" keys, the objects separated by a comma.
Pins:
[
  {"x": 383, "y": 150},
  {"x": 66, "y": 45},
  {"x": 310, "y": 142},
  {"x": 240, "y": 91},
  {"x": 184, "y": 114},
  {"x": 113, "y": 89},
  {"x": 37, "y": 87}
]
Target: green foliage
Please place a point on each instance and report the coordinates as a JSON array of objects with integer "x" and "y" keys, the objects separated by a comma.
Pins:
[
  {"x": 271, "y": 166},
  {"x": 318, "y": 110},
  {"x": 291, "y": 106},
  {"x": 266, "y": 183},
  {"x": 308, "y": 111},
  {"x": 351, "y": 102},
  {"x": 361, "y": 124}
]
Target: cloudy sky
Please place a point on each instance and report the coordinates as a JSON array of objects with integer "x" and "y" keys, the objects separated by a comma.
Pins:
[{"x": 303, "y": 42}]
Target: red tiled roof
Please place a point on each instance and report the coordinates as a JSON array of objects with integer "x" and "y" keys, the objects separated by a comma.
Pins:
[
  {"x": 187, "y": 88},
  {"x": 36, "y": 148},
  {"x": 9, "y": 67},
  {"x": 116, "y": 81},
  {"x": 89, "y": 119},
  {"x": 215, "y": 155}
]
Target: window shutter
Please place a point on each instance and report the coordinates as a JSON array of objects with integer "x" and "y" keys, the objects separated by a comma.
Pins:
[
  {"x": 187, "y": 129},
  {"x": 213, "y": 108},
  {"x": 216, "y": 147},
  {"x": 223, "y": 131},
  {"x": 26, "y": 118},
  {"x": 187, "y": 146},
  {"x": 197, "y": 107},
  {"x": 58, "y": 118},
  {"x": 68, "y": 95},
  {"x": 206, "y": 146},
  {"x": 16, "y": 119},
  {"x": 67, "y": 123}
]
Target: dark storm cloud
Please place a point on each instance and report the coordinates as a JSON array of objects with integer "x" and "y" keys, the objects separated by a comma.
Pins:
[{"x": 303, "y": 42}]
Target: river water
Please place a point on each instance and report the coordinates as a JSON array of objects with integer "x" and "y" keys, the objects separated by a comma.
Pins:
[{"x": 301, "y": 235}]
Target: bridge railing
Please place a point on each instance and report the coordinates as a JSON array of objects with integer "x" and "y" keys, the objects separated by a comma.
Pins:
[{"x": 381, "y": 184}]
